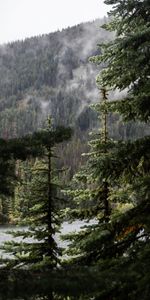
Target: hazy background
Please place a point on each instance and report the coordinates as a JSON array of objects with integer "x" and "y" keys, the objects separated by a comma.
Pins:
[{"x": 25, "y": 18}]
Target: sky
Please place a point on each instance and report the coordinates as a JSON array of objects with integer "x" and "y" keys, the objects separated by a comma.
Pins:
[{"x": 25, "y": 18}]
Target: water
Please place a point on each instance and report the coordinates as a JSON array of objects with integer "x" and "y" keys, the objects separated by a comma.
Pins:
[
  {"x": 80, "y": 283},
  {"x": 19, "y": 285},
  {"x": 65, "y": 229}
]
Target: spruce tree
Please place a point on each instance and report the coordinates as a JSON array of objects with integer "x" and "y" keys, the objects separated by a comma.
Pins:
[
  {"x": 122, "y": 245},
  {"x": 22, "y": 203},
  {"x": 127, "y": 67},
  {"x": 44, "y": 218},
  {"x": 90, "y": 195}
]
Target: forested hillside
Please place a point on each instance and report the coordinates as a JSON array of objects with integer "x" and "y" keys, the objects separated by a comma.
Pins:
[
  {"x": 51, "y": 74},
  {"x": 48, "y": 74},
  {"x": 107, "y": 258}
]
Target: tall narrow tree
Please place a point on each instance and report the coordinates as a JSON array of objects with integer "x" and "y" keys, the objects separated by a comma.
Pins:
[
  {"x": 90, "y": 194},
  {"x": 42, "y": 251},
  {"x": 127, "y": 67}
]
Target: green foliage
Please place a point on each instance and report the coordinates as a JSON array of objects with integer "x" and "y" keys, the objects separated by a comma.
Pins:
[
  {"x": 118, "y": 171},
  {"x": 126, "y": 166},
  {"x": 51, "y": 74},
  {"x": 111, "y": 192},
  {"x": 44, "y": 215},
  {"x": 127, "y": 57},
  {"x": 90, "y": 193},
  {"x": 82, "y": 283}
]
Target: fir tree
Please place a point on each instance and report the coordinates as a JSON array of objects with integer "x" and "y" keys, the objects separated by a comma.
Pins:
[
  {"x": 123, "y": 242},
  {"x": 127, "y": 67},
  {"x": 91, "y": 196},
  {"x": 44, "y": 218},
  {"x": 22, "y": 202}
]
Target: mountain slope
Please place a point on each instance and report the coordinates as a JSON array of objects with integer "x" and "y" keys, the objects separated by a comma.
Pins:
[
  {"x": 51, "y": 74},
  {"x": 48, "y": 74}
]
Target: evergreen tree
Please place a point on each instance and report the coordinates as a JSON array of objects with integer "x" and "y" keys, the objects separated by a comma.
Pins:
[
  {"x": 20, "y": 149},
  {"x": 91, "y": 196},
  {"x": 8, "y": 178},
  {"x": 121, "y": 244},
  {"x": 7, "y": 168},
  {"x": 127, "y": 57},
  {"x": 44, "y": 218},
  {"x": 22, "y": 202},
  {"x": 127, "y": 67}
]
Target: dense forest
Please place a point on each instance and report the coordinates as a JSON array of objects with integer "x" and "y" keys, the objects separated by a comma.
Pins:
[
  {"x": 49, "y": 74},
  {"x": 52, "y": 111},
  {"x": 52, "y": 74}
]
